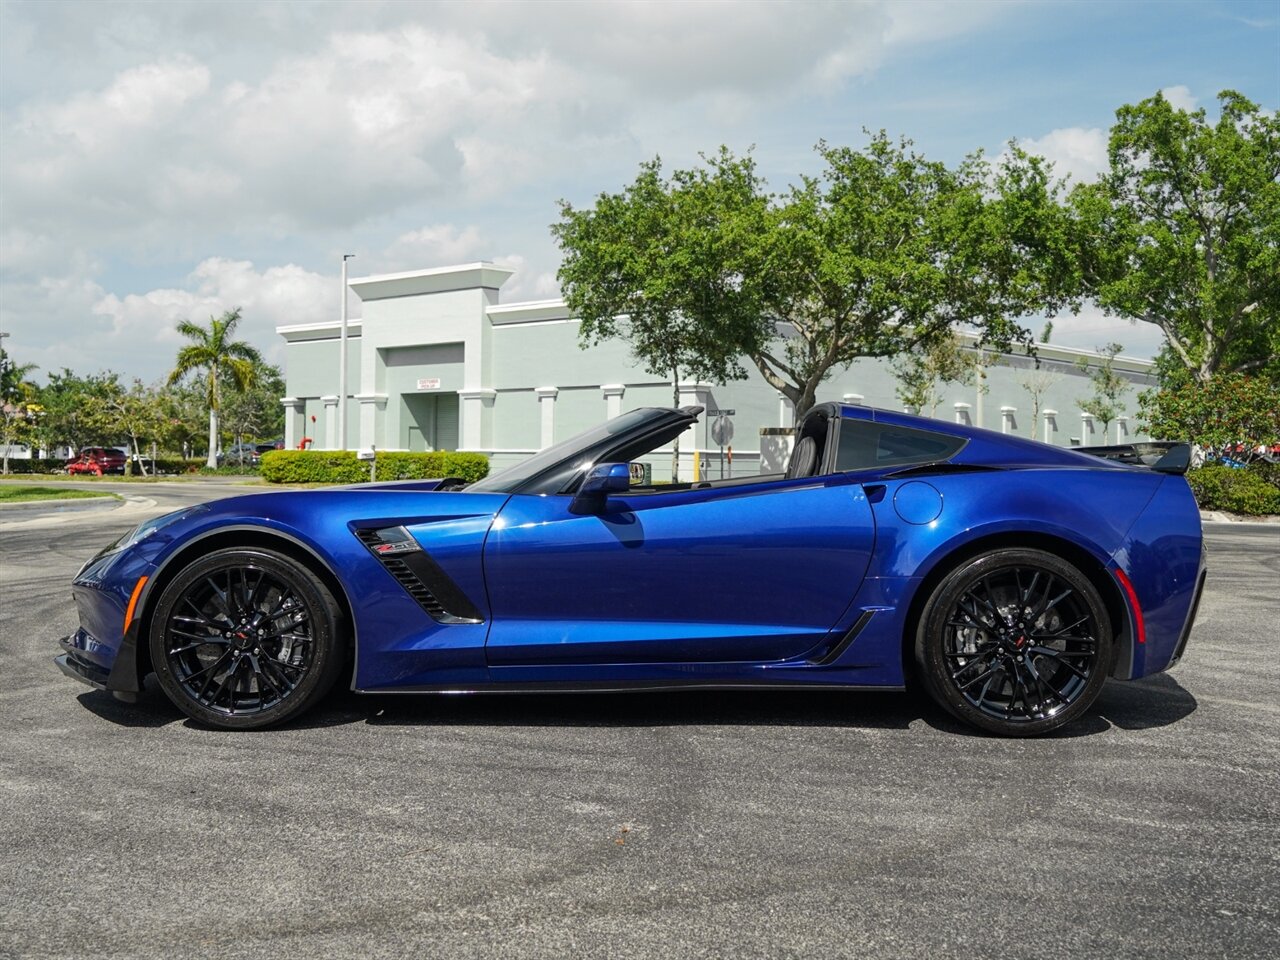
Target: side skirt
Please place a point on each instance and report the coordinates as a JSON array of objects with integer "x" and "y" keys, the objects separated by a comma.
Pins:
[{"x": 637, "y": 686}]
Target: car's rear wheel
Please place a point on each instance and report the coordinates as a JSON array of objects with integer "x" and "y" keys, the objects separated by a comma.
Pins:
[
  {"x": 246, "y": 638},
  {"x": 1015, "y": 641}
]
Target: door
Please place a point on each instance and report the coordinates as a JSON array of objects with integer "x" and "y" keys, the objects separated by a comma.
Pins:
[
  {"x": 741, "y": 573},
  {"x": 430, "y": 421}
]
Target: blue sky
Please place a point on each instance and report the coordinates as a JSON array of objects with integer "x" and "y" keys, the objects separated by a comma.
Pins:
[{"x": 162, "y": 161}]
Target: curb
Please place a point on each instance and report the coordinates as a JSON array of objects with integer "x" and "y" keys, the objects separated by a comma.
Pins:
[
  {"x": 70, "y": 505},
  {"x": 1231, "y": 519}
]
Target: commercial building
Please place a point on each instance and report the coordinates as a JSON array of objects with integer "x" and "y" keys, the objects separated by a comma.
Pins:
[{"x": 438, "y": 362}]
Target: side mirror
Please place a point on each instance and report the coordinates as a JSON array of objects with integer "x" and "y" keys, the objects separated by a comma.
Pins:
[{"x": 600, "y": 481}]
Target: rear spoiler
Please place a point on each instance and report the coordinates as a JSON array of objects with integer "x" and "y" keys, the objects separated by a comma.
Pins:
[{"x": 1159, "y": 455}]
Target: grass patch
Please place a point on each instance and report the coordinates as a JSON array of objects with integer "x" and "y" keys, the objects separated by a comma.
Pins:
[{"x": 20, "y": 493}]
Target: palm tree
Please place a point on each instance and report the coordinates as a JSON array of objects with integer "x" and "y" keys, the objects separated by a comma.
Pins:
[
  {"x": 212, "y": 350},
  {"x": 17, "y": 402}
]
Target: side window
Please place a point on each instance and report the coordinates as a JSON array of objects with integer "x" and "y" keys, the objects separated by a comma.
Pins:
[{"x": 865, "y": 445}]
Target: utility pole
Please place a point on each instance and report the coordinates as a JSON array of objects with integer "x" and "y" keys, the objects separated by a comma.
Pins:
[{"x": 342, "y": 361}]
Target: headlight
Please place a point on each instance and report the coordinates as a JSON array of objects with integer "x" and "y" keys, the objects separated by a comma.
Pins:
[
  {"x": 147, "y": 527},
  {"x": 135, "y": 536}
]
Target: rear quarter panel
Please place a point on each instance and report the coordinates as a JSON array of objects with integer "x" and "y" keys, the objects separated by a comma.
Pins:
[
  {"x": 1163, "y": 554},
  {"x": 1090, "y": 509}
]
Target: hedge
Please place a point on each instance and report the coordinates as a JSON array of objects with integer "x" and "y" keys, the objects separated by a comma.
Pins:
[
  {"x": 341, "y": 466},
  {"x": 1234, "y": 489},
  {"x": 37, "y": 465},
  {"x": 59, "y": 465}
]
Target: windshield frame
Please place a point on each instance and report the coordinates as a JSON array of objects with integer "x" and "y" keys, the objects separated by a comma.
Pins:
[{"x": 578, "y": 453}]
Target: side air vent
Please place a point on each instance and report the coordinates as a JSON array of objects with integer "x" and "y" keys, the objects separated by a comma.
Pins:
[{"x": 422, "y": 578}]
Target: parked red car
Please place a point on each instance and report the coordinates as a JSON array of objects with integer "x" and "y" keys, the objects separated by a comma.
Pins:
[{"x": 97, "y": 461}]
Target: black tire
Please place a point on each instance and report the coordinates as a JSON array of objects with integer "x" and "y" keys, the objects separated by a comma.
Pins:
[
  {"x": 245, "y": 638},
  {"x": 1016, "y": 642}
]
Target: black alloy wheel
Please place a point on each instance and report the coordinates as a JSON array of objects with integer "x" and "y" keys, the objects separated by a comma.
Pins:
[
  {"x": 1016, "y": 642},
  {"x": 246, "y": 638}
]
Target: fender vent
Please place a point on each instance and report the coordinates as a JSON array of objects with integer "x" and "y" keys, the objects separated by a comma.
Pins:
[{"x": 422, "y": 578}]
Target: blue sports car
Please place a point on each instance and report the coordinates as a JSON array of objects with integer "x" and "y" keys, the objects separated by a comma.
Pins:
[{"x": 1006, "y": 577}]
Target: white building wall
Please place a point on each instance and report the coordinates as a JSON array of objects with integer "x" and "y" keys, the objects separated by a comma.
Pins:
[{"x": 522, "y": 380}]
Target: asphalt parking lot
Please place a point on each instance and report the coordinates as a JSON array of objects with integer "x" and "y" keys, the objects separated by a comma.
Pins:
[{"x": 658, "y": 825}]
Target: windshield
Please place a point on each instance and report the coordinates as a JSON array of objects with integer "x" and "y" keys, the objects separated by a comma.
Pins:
[{"x": 575, "y": 452}]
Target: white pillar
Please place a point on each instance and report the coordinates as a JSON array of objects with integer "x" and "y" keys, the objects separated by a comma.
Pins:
[
  {"x": 1050, "y": 425},
  {"x": 1007, "y": 421},
  {"x": 371, "y": 404},
  {"x": 786, "y": 411},
  {"x": 473, "y": 406},
  {"x": 1122, "y": 429},
  {"x": 692, "y": 395},
  {"x": 547, "y": 407},
  {"x": 331, "y": 431},
  {"x": 343, "y": 389},
  {"x": 292, "y": 409},
  {"x": 1086, "y": 429},
  {"x": 612, "y": 399},
  {"x": 854, "y": 398},
  {"x": 962, "y": 412}
]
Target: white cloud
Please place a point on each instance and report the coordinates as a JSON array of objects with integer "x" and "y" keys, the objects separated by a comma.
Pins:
[
  {"x": 528, "y": 282},
  {"x": 142, "y": 138},
  {"x": 135, "y": 333},
  {"x": 1077, "y": 152},
  {"x": 1091, "y": 329},
  {"x": 446, "y": 245},
  {"x": 1180, "y": 98}
]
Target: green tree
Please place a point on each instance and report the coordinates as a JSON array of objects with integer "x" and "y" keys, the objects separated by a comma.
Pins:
[
  {"x": 659, "y": 264},
  {"x": 19, "y": 404},
  {"x": 137, "y": 414},
  {"x": 220, "y": 360},
  {"x": 1184, "y": 232},
  {"x": 1037, "y": 383},
  {"x": 1109, "y": 387},
  {"x": 1231, "y": 409},
  {"x": 184, "y": 419},
  {"x": 923, "y": 373},
  {"x": 883, "y": 254},
  {"x": 256, "y": 412},
  {"x": 76, "y": 410},
  {"x": 887, "y": 252}
]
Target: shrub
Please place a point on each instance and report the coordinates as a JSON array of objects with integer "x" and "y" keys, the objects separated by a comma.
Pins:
[
  {"x": 1269, "y": 472},
  {"x": 339, "y": 466},
  {"x": 37, "y": 465},
  {"x": 1230, "y": 409},
  {"x": 1233, "y": 489},
  {"x": 179, "y": 464}
]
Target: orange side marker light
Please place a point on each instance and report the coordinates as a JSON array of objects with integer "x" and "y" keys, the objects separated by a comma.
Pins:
[{"x": 133, "y": 601}]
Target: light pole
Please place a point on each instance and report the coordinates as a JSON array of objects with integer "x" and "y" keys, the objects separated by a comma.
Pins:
[{"x": 342, "y": 361}]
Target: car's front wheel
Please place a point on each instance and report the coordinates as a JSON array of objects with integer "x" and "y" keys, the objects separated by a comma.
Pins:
[
  {"x": 1015, "y": 641},
  {"x": 246, "y": 638}
]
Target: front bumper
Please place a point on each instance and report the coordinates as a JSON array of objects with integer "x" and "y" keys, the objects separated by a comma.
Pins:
[{"x": 75, "y": 665}]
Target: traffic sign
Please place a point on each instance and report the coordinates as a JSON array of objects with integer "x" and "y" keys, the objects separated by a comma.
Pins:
[{"x": 722, "y": 431}]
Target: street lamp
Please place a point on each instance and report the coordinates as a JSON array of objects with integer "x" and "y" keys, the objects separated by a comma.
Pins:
[{"x": 342, "y": 361}]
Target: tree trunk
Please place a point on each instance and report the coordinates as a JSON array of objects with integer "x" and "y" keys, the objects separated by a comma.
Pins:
[
  {"x": 804, "y": 402},
  {"x": 212, "y": 461},
  {"x": 137, "y": 456}
]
